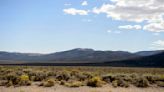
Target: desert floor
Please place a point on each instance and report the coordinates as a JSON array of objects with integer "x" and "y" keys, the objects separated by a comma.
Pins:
[{"x": 59, "y": 88}]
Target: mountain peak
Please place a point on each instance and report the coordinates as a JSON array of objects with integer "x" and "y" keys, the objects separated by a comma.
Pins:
[{"x": 83, "y": 49}]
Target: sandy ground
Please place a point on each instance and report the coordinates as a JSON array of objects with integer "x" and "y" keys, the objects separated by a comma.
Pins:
[{"x": 59, "y": 88}]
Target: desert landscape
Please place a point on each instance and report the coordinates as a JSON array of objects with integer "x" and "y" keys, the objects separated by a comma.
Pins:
[
  {"x": 81, "y": 45},
  {"x": 80, "y": 79}
]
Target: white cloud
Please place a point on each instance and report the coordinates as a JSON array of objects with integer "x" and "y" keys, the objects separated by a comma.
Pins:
[
  {"x": 84, "y": 3},
  {"x": 155, "y": 26},
  {"x": 74, "y": 11},
  {"x": 159, "y": 44},
  {"x": 132, "y": 10},
  {"x": 130, "y": 27},
  {"x": 109, "y": 31},
  {"x": 149, "y": 11}
]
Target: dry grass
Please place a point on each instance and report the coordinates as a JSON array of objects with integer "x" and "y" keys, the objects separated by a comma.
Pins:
[{"x": 82, "y": 78}]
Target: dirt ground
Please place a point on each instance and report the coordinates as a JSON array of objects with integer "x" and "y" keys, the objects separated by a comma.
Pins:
[{"x": 59, "y": 88}]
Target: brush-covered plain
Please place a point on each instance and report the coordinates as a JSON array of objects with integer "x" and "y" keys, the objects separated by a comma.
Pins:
[{"x": 74, "y": 77}]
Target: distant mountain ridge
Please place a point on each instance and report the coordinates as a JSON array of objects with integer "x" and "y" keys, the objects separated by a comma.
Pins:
[
  {"x": 85, "y": 55},
  {"x": 155, "y": 60},
  {"x": 149, "y": 53},
  {"x": 77, "y": 55}
]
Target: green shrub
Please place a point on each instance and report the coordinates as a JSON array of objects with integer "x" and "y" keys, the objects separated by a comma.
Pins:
[
  {"x": 24, "y": 80},
  {"x": 12, "y": 79},
  {"x": 88, "y": 75},
  {"x": 11, "y": 76},
  {"x": 39, "y": 76},
  {"x": 107, "y": 78},
  {"x": 115, "y": 83},
  {"x": 19, "y": 73},
  {"x": 9, "y": 83},
  {"x": 24, "y": 83},
  {"x": 74, "y": 84},
  {"x": 3, "y": 83},
  {"x": 160, "y": 78},
  {"x": 51, "y": 74},
  {"x": 62, "y": 82},
  {"x": 32, "y": 78},
  {"x": 122, "y": 83},
  {"x": 160, "y": 84},
  {"x": 152, "y": 78},
  {"x": 79, "y": 76},
  {"x": 141, "y": 82},
  {"x": 134, "y": 76},
  {"x": 95, "y": 82},
  {"x": 63, "y": 76},
  {"x": 49, "y": 83}
]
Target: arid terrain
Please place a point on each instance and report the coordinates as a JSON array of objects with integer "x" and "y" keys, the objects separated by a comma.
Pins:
[
  {"x": 80, "y": 79},
  {"x": 58, "y": 88}
]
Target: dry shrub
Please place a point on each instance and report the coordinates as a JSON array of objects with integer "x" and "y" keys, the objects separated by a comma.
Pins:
[
  {"x": 24, "y": 80},
  {"x": 63, "y": 76},
  {"x": 141, "y": 82},
  {"x": 47, "y": 83},
  {"x": 39, "y": 76},
  {"x": 12, "y": 79},
  {"x": 115, "y": 83},
  {"x": 74, "y": 84},
  {"x": 95, "y": 82},
  {"x": 120, "y": 83},
  {"x": 160, "y": 84},
  {"x": 107, "y": 78}
]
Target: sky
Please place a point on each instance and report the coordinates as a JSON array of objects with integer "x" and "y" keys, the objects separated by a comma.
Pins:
[{"x": 45, "y": 26}]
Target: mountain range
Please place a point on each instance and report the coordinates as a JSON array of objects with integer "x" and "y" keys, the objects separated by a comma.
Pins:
[{"x": 87, "y": 56}]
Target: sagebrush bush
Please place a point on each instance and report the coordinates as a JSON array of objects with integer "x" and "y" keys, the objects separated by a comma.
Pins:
[
  {"x": 79, "y": 76},
  {"x": 74, "y": 84},
  {"x": 107, "y": 78},
  {"x": 120, "y": 83},
  {"x": 152, "y": 78},
  {"x": 95, "y": 82},
  {"x": 115, "y": 83},
  {"x": 88, "y": 75},
  {"x": 24, "y": 83},
  {"x": 49, "y": 83},
  {"x": 141, "y": 82},
  {"x": 9, "y": 83},
  {"x": 39, "y": 76},
  {"x": 51, "y": 73},
  {"x": 123, "y": 83},
  {"x": 62, "y": 82},
  {"x": 160, "y": 84},
  {"x": 160, "y": 78},
  {"x": 117, "y": 80},
  {"x": 12, "y": 79},
  {"x": 63, "y": 76},
  {"x": 24, "y": 80}
]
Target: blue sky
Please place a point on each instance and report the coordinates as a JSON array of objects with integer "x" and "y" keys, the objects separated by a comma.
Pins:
[{"x": 44, "y": 26}]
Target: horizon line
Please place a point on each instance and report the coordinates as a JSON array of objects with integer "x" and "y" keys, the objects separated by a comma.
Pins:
[{"x": 74, "y": 49}]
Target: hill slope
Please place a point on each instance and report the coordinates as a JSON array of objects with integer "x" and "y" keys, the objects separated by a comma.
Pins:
[
  {"x": 156, "y": 60},
  {"x": 79, "y": 55}
]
